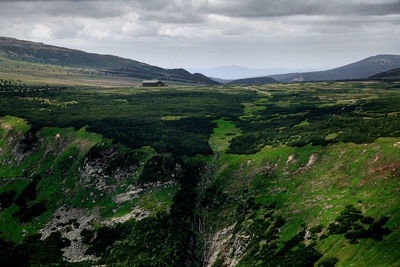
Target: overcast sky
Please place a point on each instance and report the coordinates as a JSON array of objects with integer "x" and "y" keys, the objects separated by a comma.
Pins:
[{"x": 205, "y": 33}]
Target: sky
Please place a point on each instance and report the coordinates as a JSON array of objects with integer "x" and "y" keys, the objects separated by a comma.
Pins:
[{"x": 290, "y": 34}]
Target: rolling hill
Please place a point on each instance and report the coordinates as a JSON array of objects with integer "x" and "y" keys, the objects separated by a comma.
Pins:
[
  {"x": 259, "y": 80},
  {"x": 39, "y": 53},
  {"x": 358, "y": 70},
  {"x": 223, "y": 81},
  {"x": 235, "y": 72},
  {"x": 393, "y": 75}
]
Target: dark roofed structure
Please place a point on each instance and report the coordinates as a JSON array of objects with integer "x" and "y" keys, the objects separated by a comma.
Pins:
[{"x": 153, "y": 83}]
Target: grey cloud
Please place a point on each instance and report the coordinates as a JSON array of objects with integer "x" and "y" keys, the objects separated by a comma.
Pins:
[
  {"x": 234, "y": 8},
  {"x": 175, "y": 33},
  {"x": 273, "y": 8},
  {"x": 78, "y": 8},
  {"x": 195, "y": 11},
  {"x": 377, "y": 9},
  {"x": 174, "y": 18}
]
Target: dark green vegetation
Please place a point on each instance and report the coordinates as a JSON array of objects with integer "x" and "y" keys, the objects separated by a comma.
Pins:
[
  {"x": 132, "y": 116},
  {"x": 281, "y": 174},
  {"x": 355, "y": 226},
  {"x": 15, "y": 54},
  {"x": 33, "y": 251},
  {"x": 318, "y": 114},
  {"x": 362, "y": 69}
]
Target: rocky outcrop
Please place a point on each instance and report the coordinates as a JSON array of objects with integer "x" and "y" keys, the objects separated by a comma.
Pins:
[
  {"x": 226, "y": 246},
  {"x": 70, "y": 222}
]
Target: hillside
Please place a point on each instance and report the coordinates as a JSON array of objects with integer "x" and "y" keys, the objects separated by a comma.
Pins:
[
  {"x": 358, "y": 70},
  {"x": 42, "y": 54},
  {"x": 235, "y": 72},
  {"x": 392, "y": 75},
  {"x": 302, "y": 174},
  {"x": 260, "y": 80},
  {"x": 223, "y": 81}
]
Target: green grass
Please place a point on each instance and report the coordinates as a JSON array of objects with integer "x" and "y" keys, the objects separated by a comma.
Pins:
[
  {"x": 331, "y": 136},
  {"x": 303, "y": 123},
  {"x": 44, "y": 74},
  {"x": 224, "y": 132},
  {"x": 158, "y": 201},
  {"x": 17, "y": 123},
  {"x": 340, "y": 176}
]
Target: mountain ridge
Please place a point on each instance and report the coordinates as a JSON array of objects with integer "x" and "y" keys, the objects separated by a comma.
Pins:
[
  {"x": 36, "y": 52},
  {"x": 393, "y": 74},
  {"x": 258, "y": 80},
  {"x": 235, "y": 72},
  {"x": 357, "y": 70}
]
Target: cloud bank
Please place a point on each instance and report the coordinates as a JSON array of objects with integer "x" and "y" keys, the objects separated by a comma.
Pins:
[{"x": 203, "y": 33}]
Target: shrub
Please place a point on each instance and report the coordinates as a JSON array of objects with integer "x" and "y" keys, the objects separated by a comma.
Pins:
[{"x": 328, "y": 262}]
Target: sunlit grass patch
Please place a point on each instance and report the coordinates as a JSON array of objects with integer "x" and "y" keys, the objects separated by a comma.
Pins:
[
  {"x": 303, "y": 123},
  {"x": 172, "y": 118},
  {"x": 224, "y": 132},
  {"x": 331, "y": 136}
]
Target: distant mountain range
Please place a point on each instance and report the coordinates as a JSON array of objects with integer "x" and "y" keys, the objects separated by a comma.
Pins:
[
  {"x": 358, "y": 70},
  {"x": 48, "y": 54},
  {"x": 259, "y": 80},
  {"x": 229, "y": 73},
  {"x": 223, "y": 81}
]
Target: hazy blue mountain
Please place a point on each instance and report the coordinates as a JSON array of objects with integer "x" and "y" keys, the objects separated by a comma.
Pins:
[
  {"x": 260, "y": 80},
  {"x": 48, "y": 54},
  {"x": 359, "y": 70},
  {"x": 223, "y": 81},
  {"x": 238, "y": 72}
]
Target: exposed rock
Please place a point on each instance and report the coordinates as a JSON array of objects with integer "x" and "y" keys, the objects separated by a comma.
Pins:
[
  {"x": 70, "y": 223},
  {"x": 311, "y": 160},
  {"x": 136, "y": 191},
  {"x": 216, "y": 244},
  {"x": 137, "y": 213},
  {"x": 230, "y": 248},
  {"x": 290, "y": 158}
]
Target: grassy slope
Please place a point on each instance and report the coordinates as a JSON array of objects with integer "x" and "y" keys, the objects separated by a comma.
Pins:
[
  {"x": 43, "y": 74},
  {"x": 312, "y": 185},
  {"x": 365, "y": 176},
  {"x": 58, "y": 161},
  {"x": 222, "y": 135},
  {"x": 39, "y": 163}
]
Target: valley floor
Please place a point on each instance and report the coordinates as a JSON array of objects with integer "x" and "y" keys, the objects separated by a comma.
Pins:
[{"x": 278, "y": 175}]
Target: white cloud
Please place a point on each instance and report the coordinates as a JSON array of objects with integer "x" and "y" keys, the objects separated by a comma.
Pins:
[{"x": 40, "y": 31}]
